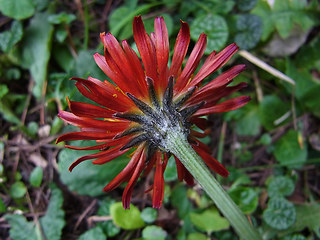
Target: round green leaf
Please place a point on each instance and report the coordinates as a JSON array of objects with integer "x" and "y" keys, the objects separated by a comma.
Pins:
[
  {"x": 270, "y": 109},
  {"x": 196, "y": 236},
  {"x": 149, "y": 215},
  {"x": 209, "y": 220},
  {"x": 215, "y": 27},
  {"x": 126, "y": 218},
  {"x": 153, "y": 233},
  {"x": 280, "y": 214},
  {"x": 245, "y": 198},
  {"x": 249, "y": 30},
  {"x": 18, "y": 190},
  {"x": 280, "y": 186},
  {"x": 36, "y": 177},
  {"x": 17, "y": 9},
  {"x": 246, "y": 5},
  {"x": 288, "y": 150}
]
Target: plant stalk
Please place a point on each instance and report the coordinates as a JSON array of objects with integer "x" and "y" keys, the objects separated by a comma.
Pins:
[{"x": 179, "y": 146}]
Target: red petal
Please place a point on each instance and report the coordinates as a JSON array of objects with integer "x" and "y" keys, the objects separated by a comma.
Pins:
[
  {"x": 84, "y": 122},
  {"x": 192, "y": 62},
  {"x": 146, "y": 48},
  {"x": 226, "y": 106},
  {"x": 212, "y": 162},
  {"x": 112, "y": 154},
  {"x": 158, "y": 185},
  {"x": 73, "y": 136},
  {"x": 88, "y": 110},
  {"x": 126, "y": 196},
  {"x": 126, "y": 172},
  {"x": 96, "y": 147},
  {"x": 180, "y": 49},
  {"x": 183, "y": 173},
  {"x": 213, "y": 63},
  {"x": 162, "y": 50}
]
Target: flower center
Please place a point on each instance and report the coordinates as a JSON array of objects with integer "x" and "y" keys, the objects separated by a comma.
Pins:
[{"x": 159, "y": 118}]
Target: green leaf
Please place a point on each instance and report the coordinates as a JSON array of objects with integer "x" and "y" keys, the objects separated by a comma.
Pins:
[
  {"x": 197, "y": 236},
  {"x": 280, "y": 214},
  {"x": 36, "y": 177},
  {"x": 270, "y": 109},
  {"x": 246, "y": 198},
  {"x": 109, "y": 228},
  {"x": 249, "y": 30},
  {"x": 9, "y": 38},
  {"x": 3, "y": 90},
  {"x": 36, "y": 50},
  {"x": 249, "y": 123},
  {"x": 95, "y": 233},
  {"x": 170, "y": 173},
  {"x": 209, "y": 221},
  {"x": 126, "y": 218},
  {"x": 263, "y": 10},
  {"x": 294, "y": 237},
  {"x": 180, "y": 201},
  {"x": 61, "y": 18},
  {"x": 153, "y": 233},
  {"x": 53, "y": 222},
  {"x": 308, "y": 216},
  {"x": 17, "y": 9},
  {"x": 87, "y": 178},
  {"x": 149, "y": 215},
  {"x": 246, "y": 5},
  {"x": 8, "y": 114},
  {"x": 289, "y": 152},
  {"x": 21, "y": 229},
  {"x": 18, "y": 190},
  {"x": 280, "y": 186},
  {"x": 215, "y": 27}
]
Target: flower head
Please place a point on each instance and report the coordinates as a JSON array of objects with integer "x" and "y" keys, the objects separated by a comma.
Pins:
[{"x": 147, "y": 101}]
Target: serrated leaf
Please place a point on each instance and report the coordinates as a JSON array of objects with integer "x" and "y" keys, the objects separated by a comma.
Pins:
[
  {"x": 249, "y": 30},
  {"x": 270, "y": 109},
  {"x": 209, "y": 221},
  {"x": 289, "y": 152},
  {"x": 36, "y": 50},
  {"x": 87, "y": 178},
  {"x": 17, "y": 9},
  {"x": 95, "y": 233},
  {"x": 9, "y": 38},
  {"x": 246, "y": 5},
  {"x": 246, "y": 198},
  {"x": 36, "y": 177},
  {"x": 280, "y": 214},
  {"x": 215, "y": 27},
  {"x": 128, "y": 219},
  {"x": 263, "y": 10},
  {"x": 280, "y": 186},
  {"x": 51, "y": 224},
  {"x": 153, "y": 233}
]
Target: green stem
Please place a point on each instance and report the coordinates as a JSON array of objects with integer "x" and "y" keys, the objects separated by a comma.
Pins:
[{"x": 179, "y": 146}]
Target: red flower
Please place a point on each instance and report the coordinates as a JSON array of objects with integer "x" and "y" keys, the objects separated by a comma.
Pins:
[{"x": 147, "y": 101}]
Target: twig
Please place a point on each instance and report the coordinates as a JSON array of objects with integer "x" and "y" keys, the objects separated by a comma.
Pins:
[
  {"x": 82, "y": 216},
  {"x": 266, "y": 66},
  {"x": 258, "y": 86}
]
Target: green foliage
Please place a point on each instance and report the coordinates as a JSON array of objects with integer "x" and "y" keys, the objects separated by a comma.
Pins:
[
  {"x": 280, "y": 213},
  {"x": 216, "y": 29},
  {"x": 180, "y": 201},
  {"x": 246, "y": 5},
  {"x": 80, "y": 180},
  {"x": 9, "y": 38},
  {"x": 37, "y": 50},
  {"x": 17, "y": 9},
  {"x": 50, "y": 225},
  {"x": 153, "y": 233},
  {"x": 149, "y": 215},
  {"x": 280, "y": 186},
  {"x": 248, "y": 122},
  {"x": 108, "y": 227},
  {"x": 36, "y": 177},
  {"x": 290, "y": 150},
  {"x": 209, "y": 220},
  {"x": 18, "y": 190},
  {"x": 246, "y": 198},
  {"x": 128, "y": 219},
  {"x": 94, "y": 233}
]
